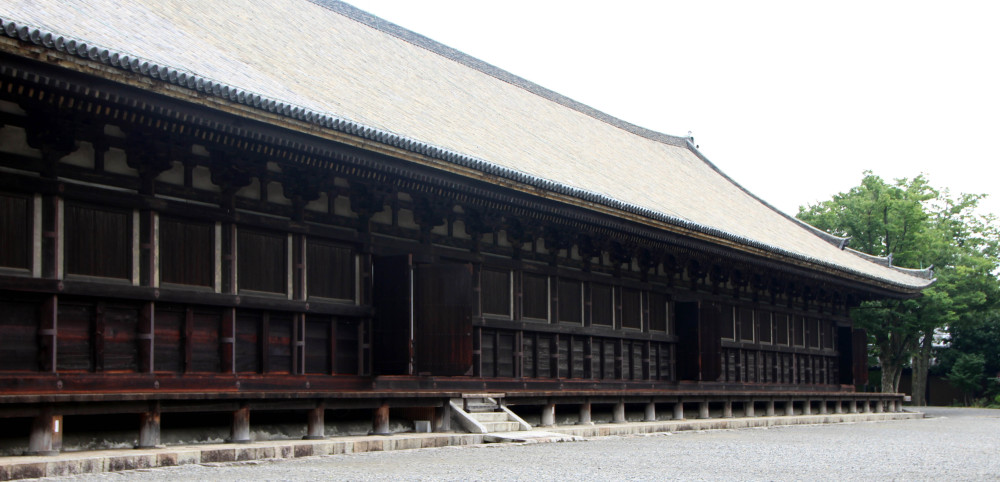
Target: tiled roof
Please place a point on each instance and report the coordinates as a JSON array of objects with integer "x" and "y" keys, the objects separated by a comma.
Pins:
[{"x": 340, "y": 68}]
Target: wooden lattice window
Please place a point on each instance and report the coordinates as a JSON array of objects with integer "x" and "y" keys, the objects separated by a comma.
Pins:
[
  {"x": 631, "y": 309},
  {"x": 764, "y": 326},
  {"x": 535, "y": 295},
  {"x": 659, "y": 313},
  {"x": 262, "y": 261},
  {"x": 331, "y": 270},
  {"x": 187, "y": 252},
  {"x": 496, "y": 292},
  {"x": 570, "y": 301},
  {"x": 746, "y": 324},
  {"x": 602, "y": 301},
  {"x": 98, "y": 241},
  {"x": 15, "y": 231}
]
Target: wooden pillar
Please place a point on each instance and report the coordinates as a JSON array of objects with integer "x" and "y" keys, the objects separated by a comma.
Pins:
[
  {"x": 703, "y": 410},
  {"x": 748, "y": 409},
  {"x": 679, "y": 410},
  {"x": 442, "y": 417},
  {"x": 650, "y": 413},
  {"x": 149, "y": 427},
  {"x": 618, "y": 413},
  {"x": 585, "y": 414},
  {"x": 380, "y": 420},
  {"x": 240, "y": 431},
  {"x": 727, "y": 409},
  {"x": 46, "y": 434},
  {"x": 769, "y": 411},
  {"x": 316, "y": 423},
  {"x": 549, "y": 415},
  {"x": 790, "y": 408}
]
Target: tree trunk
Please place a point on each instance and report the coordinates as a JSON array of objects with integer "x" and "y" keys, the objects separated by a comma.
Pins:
[
  {"x": 921, "y": 362},
  {"x": 890, "y": 375}
]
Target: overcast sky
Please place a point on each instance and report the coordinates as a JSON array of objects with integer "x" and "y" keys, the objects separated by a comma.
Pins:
[{"x": 793, "y": 100}]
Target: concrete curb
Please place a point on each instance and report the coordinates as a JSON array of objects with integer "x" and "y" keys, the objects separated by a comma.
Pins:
[{"x": 75, "y": 463}]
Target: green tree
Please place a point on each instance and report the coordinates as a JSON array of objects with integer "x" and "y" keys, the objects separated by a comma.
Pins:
[
  {"x": 917, "y": 226},
  {"x": 967, "y": 374}
]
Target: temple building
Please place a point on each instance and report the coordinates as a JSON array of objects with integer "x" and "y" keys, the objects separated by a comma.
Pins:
[{"x": 243, "y": 206}]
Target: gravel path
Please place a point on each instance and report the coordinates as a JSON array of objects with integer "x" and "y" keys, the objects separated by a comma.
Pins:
[{"x": 953, "y": 444}]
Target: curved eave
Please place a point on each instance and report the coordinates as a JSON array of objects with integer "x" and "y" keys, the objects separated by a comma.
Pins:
[{"x": 81, "y": 56}]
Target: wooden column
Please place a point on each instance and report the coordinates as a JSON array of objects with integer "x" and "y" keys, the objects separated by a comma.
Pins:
[
  {"x": 228, "y": 340},
  {"x": 549, "y": 415},
  {"x": 240, "y": 431},
  {"x": 47, "y": 334},
  {"x": 144, "y": 336},
  {"x": 149, "y": 427},
  {"x": 380, "y": 420},
  {"x": 618, "y": 412},
  {"x": 316, "y": 428},
  {"x": 585, "y": 414},
  {"x": 749, "y": 409},
  {"x": 650, "y": 412},
  {"x": 46, "y": 433},
  {"x": 679, "y": 410}
]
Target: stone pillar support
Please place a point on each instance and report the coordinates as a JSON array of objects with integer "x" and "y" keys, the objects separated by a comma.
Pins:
[
  {"x": 852, "y": 406},
  {"x": 618, "y": 414},
  {"x": 807, "y": 407},
  {"x": 838, "y": 406},
  {"x": 748, "y": 409},
  {"x": 380, "y": 420},
  {"x": 727, "y": 409},
  {"x": 867, "y": 406},
  {"x": 769, "y": 411},
  {"x": 650, "y": 413},
  {"x": 549, "y": 415},
  {"x": 679, "y": 410},
  {"x": 46, "y": 434},
  {"x": 703, "y": 410},
  {"x": 316, "y": 423},
  {"x": 149, "y": 427},
  {"x": 822, "y": 407},
  {"x": 790, "y": 408},
  {"x": 878, "y": 406},
  {"x": 240, "y": 429},
  {"x": 442, "y": 417},
  {"x": 585, "y": 411}
]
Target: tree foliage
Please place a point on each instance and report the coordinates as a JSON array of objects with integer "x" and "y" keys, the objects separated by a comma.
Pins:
[{"x": 917, "y": 226}]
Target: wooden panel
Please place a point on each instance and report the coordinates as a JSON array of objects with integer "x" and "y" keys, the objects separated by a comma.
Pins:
[
  {"x": 602, "y": 305},
  {"x": 393, "y": 311},
  {"x": 713, "y": 316},
  {"x": 543, "y": 360},
  {"x": 798, "y": 330},
  {"x": 443, "y": 319},
  {"x": 317, "y": 344},
  {"x": 248, "y": 341},
  {"x": 505, "y": 354},
  {"x": 658, "y": 312},
  {"x": 206, "y": 353},
  {"x": 496, "y": 292},
  {"x": 279, "y": 343},
  {"x": 746, "y": 323},
  {"x": 781, "y": 329},
  {"x": 98, "y": 242},
  {"x": 570, "y": 301},
  {"x": 688, "y": 356},
  {"x": 74, "y": 342},
  {"x": 187, "y": 252},
  {"x": 348, "y": 342},
  {"x": 564, "y": 356},
  {"x": 727, "y": 328},
  {"x": 609, "y": 359},
  {"x": 330, "y": 270},
  {"x": 535, "y": 296},
  {"x": 577, "y": 358},
  {"x": 488, "y": 350},
  {"x": 813, "y": 332},
  {"x": 168, "y": 340},
  {"x": 15, "y": 231},
  {"x": 121, "y": 349},
  {"x": 528, "y": 358},
  {"x": 262, "y": 261},
  {"x": 631, "y": 309},
  {"x": 764, "y": 328},
  {"x": 19, "y": 335}
]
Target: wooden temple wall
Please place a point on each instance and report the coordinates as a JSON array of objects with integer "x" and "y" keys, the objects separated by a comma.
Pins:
[{"x": 147, "y": 251}]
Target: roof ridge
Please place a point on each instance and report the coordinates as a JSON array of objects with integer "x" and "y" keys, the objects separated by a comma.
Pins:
[{"x": 453, "y": 54}]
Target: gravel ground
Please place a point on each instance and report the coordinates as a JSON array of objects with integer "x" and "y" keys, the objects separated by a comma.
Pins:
[{"x": 952, "y": 443}]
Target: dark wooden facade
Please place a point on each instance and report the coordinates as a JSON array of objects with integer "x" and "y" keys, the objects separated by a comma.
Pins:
[{"x": 159, "y": 251}]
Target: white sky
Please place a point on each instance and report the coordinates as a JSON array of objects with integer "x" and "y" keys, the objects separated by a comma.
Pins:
[{"x": 793, "y": 100}]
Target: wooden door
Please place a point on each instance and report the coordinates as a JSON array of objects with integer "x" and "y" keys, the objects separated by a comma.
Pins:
[
  {"x": 392, "y": 297},
  {"x": 443, "y": 319},
  {"x": 710, "y": 343},
  {"x": 686, "y": 324}
]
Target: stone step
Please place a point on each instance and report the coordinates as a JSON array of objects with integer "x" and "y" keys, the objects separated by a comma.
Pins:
[
  {"x": 501, "y": 426},
  {"x": 480, "y": 407},
  {"x": 530, "y": 436},
  {"x": 490, "y": 416}
]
